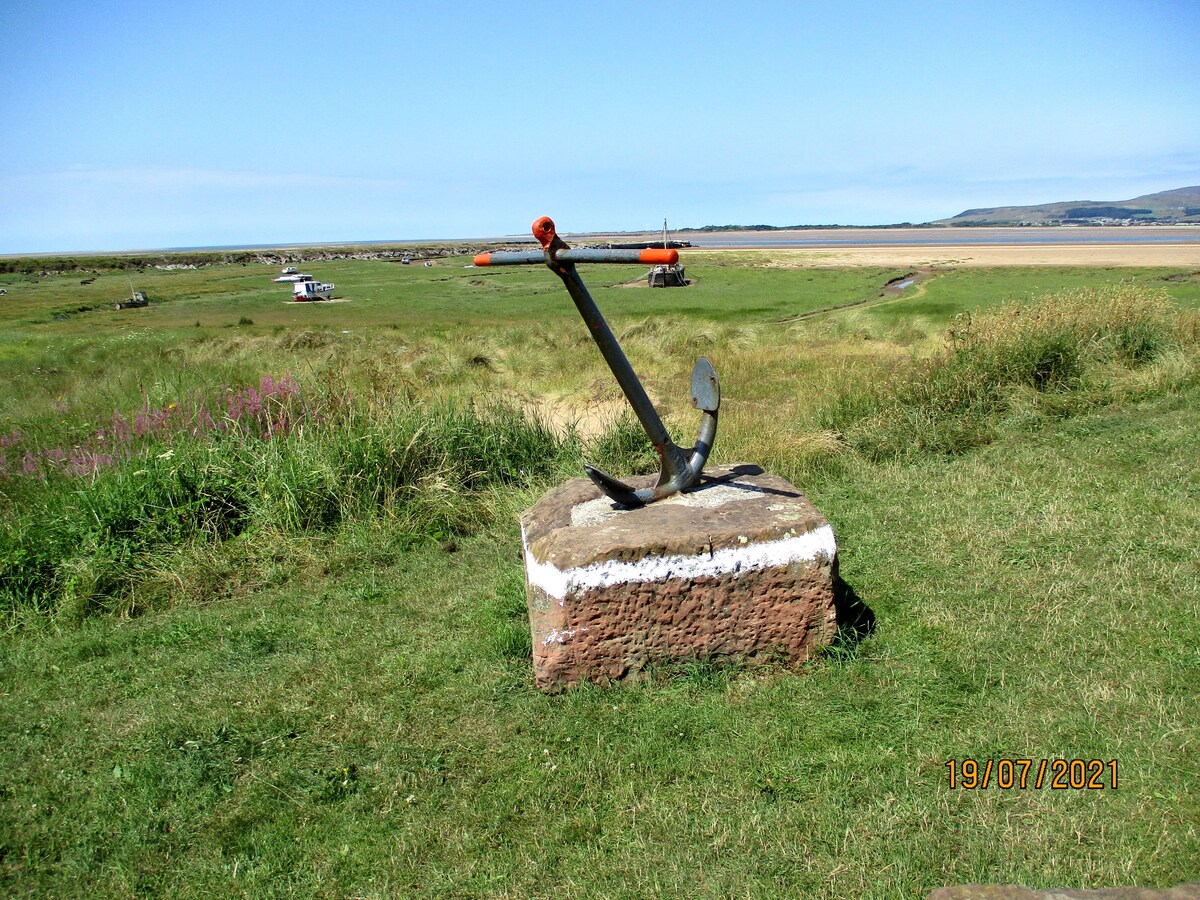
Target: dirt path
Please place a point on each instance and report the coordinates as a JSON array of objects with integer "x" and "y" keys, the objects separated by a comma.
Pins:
[{"x": 590, "y": 419}]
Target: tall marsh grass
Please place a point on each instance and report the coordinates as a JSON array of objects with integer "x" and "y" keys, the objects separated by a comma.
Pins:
[
  {"x": 97, "y": 506},
  {"x": 84, "y": 527},
  {"x": 1052, "y": 357}
]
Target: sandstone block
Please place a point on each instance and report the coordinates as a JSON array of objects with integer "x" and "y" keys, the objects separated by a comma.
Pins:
[{"x": 743, "y": 566}]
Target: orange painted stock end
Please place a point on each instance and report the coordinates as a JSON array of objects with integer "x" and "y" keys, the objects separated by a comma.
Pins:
[
  {"x": 483, "y": 259},
  {"x": 654, "y": 257},
  {"x": 543, "y": 230}
]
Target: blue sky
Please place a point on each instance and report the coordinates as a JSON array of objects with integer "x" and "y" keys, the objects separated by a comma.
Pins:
[{"x": 150, "y": 124}]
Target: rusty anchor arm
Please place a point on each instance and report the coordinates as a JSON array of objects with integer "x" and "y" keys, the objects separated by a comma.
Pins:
[{"x": 679, "y": 468}]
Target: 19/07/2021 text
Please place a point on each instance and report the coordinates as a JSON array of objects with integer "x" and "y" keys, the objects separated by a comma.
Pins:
[{"x": 1057, "y": 774}]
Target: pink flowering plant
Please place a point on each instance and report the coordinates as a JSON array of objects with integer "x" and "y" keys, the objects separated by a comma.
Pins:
[
  {"x": 272, "y": 409},
  {"x": 83, "y": 523}
]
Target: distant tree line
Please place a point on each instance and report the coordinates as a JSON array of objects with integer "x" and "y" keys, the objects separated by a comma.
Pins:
[
  {"x": 34, "y": 265},
  {"x": 94, "y": 264}
]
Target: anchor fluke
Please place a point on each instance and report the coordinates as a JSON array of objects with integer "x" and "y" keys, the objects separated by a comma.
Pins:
[
  {"x": 680, "y": 469},
  {"x": 706, "y": 390},
  {"x": 617, "y": 491}
]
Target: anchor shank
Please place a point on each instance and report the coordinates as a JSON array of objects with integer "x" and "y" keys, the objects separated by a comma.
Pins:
[{"x": 673, "y": 458}]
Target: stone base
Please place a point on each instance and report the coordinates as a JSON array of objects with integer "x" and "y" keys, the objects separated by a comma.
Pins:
[{"x": 742, "y": 566}]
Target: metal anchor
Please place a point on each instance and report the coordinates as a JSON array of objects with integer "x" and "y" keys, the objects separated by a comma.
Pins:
[{"x": 679, "y": 468}]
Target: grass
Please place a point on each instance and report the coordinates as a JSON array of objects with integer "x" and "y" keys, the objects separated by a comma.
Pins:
[
  {"x": 329, "y": 694},
  {"x": 373, "y": 732}
]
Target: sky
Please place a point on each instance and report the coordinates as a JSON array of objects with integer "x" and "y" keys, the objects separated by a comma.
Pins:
[{"x": 134, "y": 125}]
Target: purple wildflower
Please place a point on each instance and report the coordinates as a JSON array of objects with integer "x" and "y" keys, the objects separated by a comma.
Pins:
[
  {"x": 119, "y": 431},
  {"x": 87, "y": 462},
  {"x": 271, "y": 410}
]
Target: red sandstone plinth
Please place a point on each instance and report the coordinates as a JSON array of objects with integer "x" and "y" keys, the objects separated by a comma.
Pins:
[{"x": 741, "y": 567}]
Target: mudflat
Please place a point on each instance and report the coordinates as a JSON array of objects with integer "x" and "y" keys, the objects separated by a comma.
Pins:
[{"x": 1182, "y": 255}]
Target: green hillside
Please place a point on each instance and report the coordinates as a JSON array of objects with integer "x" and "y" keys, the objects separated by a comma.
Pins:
[{"x": 1181, "y": 205}]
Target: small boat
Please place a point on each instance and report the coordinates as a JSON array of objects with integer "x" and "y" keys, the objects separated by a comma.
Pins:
[
  {"x": 311, "y": 290},
  {"x": 666, "y": 276},
  {"x": 137, "y": 300}
]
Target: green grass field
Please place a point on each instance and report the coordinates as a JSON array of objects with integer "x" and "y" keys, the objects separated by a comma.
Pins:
[{"x": 265, "y": 610}]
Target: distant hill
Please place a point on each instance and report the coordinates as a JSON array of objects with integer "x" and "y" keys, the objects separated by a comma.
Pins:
[{"x": 1166, "y": 207}]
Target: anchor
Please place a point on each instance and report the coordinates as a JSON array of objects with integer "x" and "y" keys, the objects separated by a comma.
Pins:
[{"x": 680, "y": 468}]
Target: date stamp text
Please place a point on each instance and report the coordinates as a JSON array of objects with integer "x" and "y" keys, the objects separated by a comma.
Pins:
[{"x": 1023, "y": 774}]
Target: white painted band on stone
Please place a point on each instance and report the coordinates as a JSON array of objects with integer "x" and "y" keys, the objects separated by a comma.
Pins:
[{"x": 558, "y": 583}]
